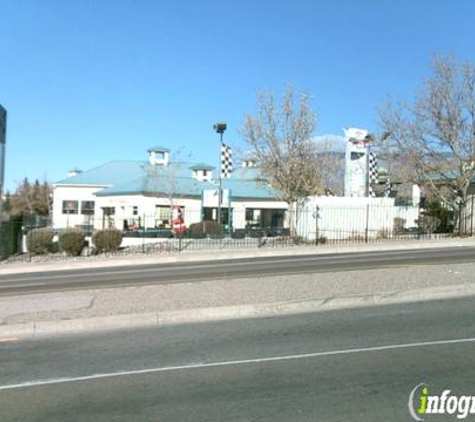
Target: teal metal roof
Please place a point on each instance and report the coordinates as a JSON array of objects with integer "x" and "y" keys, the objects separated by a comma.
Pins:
[
  {"x": 158, "y": 148},
  {"x": 202, "y": 166},
  {"x": 108, "y": 174},
  {"x": 142, "y": 178},
  {"x": 242, "y": 188}
]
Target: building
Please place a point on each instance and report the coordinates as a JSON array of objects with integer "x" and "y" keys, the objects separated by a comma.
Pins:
[{"x": 139, "y": 194}]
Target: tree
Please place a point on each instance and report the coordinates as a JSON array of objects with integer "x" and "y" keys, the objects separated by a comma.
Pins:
[
  {"x": 31, "y": 199},
  {"x": 168, "y": 182},
  {"x": 432, "y": 138},
  {"x": 281, "y": 142}
]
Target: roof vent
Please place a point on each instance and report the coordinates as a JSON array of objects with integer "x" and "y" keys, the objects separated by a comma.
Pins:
[
  {"x": 158, "y": 156},
  {"x": 74, "y": 172}
]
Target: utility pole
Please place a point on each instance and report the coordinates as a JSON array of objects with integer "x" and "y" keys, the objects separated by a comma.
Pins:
[
  {"x": 3, "y": 131},
  {"x": 220, "y": 128}
]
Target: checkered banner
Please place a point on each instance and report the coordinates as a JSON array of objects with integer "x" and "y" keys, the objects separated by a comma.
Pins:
[
  {"x": 226, "y": 161},
  {"x": 387, "y": 188},
  {"x": 373, "y": 173}
]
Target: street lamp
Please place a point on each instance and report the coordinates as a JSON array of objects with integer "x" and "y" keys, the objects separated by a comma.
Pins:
[{"x": 220, "y": 127}]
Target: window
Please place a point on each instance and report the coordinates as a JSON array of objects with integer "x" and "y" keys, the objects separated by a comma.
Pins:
[
  {"x": 205, "y": 173},
  {"x": 135, "y": 210},
  {"x": 108, "y": 211},
  {"x": 87, "y": 207},
  {"x": 70, "y": 207},
  {"x": 249, "y": 214}
]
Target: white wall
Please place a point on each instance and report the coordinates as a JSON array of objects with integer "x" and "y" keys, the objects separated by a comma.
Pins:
[
  {"x": 346, "y": 217},
  {"x": 73, "y": 193}
]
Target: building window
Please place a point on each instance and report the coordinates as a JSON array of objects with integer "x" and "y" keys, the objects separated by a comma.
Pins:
[
  {"x": 87, "y": 207},
  {"x": 108, "y": 211},
  {"x": 163, "y": 216},
  {"x": 205, "y": 173},
  {"x": 70, "y": 207},
  {"x": 135, "y": 210},
  {"x": 249, "y": 214}
]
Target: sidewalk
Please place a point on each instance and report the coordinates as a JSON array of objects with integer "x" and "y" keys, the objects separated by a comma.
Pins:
[
  {"x": 140, "y": 259},
  {"x": 47, "y": 314}
]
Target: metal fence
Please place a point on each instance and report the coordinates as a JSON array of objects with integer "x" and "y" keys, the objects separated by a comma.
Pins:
[{"x": 265, "y": 228}]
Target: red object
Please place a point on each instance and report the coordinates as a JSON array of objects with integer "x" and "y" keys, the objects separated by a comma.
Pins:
[{"x": 178, "y": 221}]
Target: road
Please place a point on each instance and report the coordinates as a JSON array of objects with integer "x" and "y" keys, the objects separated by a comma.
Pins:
[
  {"x": 345, "y": 365},
  {"x": 207, "y": 270}
]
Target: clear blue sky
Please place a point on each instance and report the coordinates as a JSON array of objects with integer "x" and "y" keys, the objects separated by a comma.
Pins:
[{"x": 89, "y": 81}]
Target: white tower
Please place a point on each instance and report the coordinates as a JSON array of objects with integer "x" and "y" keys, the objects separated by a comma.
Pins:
[{"x": 356, "y": 162}]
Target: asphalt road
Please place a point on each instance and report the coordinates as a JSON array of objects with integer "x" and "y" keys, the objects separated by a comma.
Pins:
[
  {"x": 346, "y": 365},
  {"x": 207, "y": 270}
]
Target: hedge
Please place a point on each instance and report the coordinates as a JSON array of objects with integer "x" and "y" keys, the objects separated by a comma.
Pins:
[
  {"x": 39, "y": 241},
  {"x": 107, "y": 240},
  {"x": 71, "y": 241}
]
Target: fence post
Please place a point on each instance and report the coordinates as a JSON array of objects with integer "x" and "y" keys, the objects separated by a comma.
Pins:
[
  {"x": 142, "y": 233},
  {"x": 471, "y": 218},
  {"x": 316, "y": 225},
  {"x": 367, "y": 224}
]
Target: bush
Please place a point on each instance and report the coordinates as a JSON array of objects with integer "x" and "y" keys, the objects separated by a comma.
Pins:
[
  {"x": 204, "y": 228},
  {"x": 39, "y": 241},
  {"x": 107, "y": 240},
  {"x": 71, "y": 241},
  {"x": 399, "y": 225}
]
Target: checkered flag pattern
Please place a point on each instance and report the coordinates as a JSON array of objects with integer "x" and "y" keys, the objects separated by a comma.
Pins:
[
  {"x": 373, "y": 173},
  {"x": 387, "y": 188},
  {"x": 226, "y": 161}
]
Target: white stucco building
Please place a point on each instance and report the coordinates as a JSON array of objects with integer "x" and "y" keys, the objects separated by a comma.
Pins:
[{"x": 138, "y": 194}]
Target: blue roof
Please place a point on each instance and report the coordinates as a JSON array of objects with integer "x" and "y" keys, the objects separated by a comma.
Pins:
[
  {"x": 202, "y": 166},
  {"x": 158, "y": 148},
  {"x": 142, "y": 178},
  {"x": 111, "y": 173}
]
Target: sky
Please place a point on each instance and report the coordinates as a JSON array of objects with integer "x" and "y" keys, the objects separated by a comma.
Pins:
[{"x": 89, "y": 81}]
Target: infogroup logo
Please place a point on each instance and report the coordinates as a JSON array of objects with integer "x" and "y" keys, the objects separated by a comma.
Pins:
[{"x": 421, "y": 403}]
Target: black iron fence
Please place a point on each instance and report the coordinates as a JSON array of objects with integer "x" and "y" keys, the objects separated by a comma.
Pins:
[{"x": 254, "y": 228}]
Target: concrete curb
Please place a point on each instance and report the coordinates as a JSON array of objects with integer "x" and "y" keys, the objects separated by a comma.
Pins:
[
  {"x": 235, "y": 254},
  {"x": 157, "y": 319}
]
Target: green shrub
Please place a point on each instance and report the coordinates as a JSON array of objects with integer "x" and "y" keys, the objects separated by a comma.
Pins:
[
  {"x": 71, "y": 241},
  {"x": 204, "y": 228},
  {"x": 39, "y": 241},
  {"x": 107, "y": 240}
]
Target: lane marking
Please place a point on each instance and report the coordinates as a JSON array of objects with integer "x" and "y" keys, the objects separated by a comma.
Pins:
[
  {"x": 265, "y": 260},
  {"x": 201, "y": 365}
]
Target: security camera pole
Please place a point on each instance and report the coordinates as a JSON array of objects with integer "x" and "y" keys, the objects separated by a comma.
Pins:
[{"x": 220, "y": 128}]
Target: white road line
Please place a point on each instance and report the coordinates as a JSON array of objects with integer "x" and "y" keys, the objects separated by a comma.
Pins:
[
  {"x": 201, "y": 365},
  {"x": 104, "y": 272}
]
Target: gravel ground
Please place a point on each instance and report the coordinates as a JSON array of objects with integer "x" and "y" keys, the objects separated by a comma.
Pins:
[{"x": 133, "y": 300}]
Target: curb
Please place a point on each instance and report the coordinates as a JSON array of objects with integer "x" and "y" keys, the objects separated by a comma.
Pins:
[
  {"x": 23, "y": 268},
  {"x": 158, "y": 319}
]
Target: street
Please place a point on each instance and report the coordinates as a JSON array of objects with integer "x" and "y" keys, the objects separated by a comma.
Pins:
[
  {"x": 345, "y": 365},
  {"x": 167, "y": 273}
]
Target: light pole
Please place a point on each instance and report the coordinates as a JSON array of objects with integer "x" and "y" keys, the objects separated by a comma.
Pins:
[
  {"x": 3, "y": 129},
  {"x": 220, "y": 127}
]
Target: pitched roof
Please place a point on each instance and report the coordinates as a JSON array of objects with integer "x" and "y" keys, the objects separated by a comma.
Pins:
[
  {"x": 202, "y": 166},
  {"x": 142, "y": 178},
  {"x": 158, "y": 148},
  {"x": 108, "y": 174}
]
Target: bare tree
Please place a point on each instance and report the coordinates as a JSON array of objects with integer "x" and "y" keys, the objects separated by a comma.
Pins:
[
  {"x": 331, "y": 164},
  {"x": 168, "y": 182},
  {"x": 31, "y": 199},
  {"x": 281, "y": 141},
  {"x": 432, "y": 138}
]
